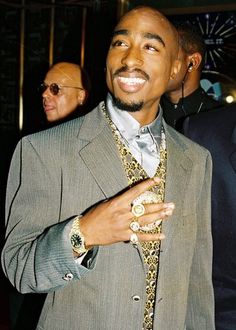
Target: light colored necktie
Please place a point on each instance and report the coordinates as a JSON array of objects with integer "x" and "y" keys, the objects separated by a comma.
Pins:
[{"x": 149, "y": 152}]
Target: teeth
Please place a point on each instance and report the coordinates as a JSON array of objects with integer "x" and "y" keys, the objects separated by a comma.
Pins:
[{"x": 131, "y": 81}]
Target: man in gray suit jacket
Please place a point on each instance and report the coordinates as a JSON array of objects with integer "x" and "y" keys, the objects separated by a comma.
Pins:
[{"x": 83, "y": 224}]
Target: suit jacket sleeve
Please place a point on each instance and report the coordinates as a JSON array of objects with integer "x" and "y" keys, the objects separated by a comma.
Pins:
[
  {"x": 37, "y": 254},
  {"x": 200, "y": 297}
]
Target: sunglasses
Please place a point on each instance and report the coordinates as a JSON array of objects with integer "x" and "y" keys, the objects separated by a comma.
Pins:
[{"x": 54, "y": 88}]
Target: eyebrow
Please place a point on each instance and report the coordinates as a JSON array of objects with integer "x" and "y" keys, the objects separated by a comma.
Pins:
[{"x": 146, "y": 35}]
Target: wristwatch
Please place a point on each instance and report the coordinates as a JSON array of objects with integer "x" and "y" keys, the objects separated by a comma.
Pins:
[{"x": 77, "y": 238}]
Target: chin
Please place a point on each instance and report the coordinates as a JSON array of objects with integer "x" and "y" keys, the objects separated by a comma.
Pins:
[{"x": 130, "y": 106}]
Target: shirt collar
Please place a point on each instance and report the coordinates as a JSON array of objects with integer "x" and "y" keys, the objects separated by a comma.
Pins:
[{"x": 128, "y": 126}]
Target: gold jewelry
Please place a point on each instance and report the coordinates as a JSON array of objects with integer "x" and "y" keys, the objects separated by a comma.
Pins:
[
  {"x": 148, "y": 197},
  {"x": 150, "y": 226},
  {"x": 134, "y": 226},
  {"x": 134, "y": 239},
  {"x": 137, "y": 209},
  {"x": 77, "y": 238}
]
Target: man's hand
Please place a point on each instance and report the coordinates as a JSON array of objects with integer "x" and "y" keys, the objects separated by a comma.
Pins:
[{"x": 109, "y": 222}]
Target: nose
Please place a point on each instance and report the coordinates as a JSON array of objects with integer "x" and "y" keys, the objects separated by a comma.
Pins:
[
  {"x": 132, "y": 58},
  {"x": 46, "y": 93}
]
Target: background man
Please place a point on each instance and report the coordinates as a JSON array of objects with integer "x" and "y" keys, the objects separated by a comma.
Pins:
[
  {"x": 64, "y": 91},
  {"x": 86, "y": 227},
  {"x": 184, "y": 95},
  {"x": 217, "y": 132}
]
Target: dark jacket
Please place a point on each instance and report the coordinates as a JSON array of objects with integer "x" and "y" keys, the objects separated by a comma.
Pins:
[
  {"x": 198, "y": 101},
  {"x": 217, "y": 132}
]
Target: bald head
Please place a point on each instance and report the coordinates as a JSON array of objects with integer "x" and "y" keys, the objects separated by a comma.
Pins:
[
  {"x": 69, "y": 72},
  {"x": 70, "y": 94}
]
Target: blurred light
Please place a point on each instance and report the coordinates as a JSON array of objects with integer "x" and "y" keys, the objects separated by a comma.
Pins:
[{"x": 229, "y": 99}]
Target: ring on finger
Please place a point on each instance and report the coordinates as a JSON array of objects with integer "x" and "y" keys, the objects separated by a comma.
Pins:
[
  {"x": 150, "y": 226},
  {"x": 134, "y": 239},
  {"x": 134, "y": 226},
  {"x": 138, "y": 210}
]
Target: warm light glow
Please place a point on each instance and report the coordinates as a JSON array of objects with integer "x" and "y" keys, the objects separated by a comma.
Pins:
[
  {"x": 229, "y": 99},
  {"x": 51, "y": 38},
  {"x": 21, "y": 77},
  {"x": 83, "y": 30}
]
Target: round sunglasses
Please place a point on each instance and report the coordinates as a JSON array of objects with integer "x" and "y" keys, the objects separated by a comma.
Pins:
[{"x": 54, "y": 88}]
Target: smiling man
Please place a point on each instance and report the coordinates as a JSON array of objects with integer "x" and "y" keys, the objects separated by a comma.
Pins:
[
  {"x": 140, "y": 62},
  {"x": 110, "y": 213}
]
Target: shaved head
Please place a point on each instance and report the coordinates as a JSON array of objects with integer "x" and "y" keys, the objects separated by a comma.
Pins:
[{"x": 70, "y": 71}]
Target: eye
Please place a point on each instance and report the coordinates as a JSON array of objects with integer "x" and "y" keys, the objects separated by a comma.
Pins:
[
  {"x": 151, "y": 48},
  {"x": 118, "y": 43}
]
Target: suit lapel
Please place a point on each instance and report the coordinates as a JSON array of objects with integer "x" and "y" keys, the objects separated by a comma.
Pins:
[
  {"x": 179, "y": 167},
  {"x": 106, "y": 167}
]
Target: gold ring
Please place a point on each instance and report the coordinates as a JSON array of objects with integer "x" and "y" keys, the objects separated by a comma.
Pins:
[
  {"x": 150, "y": 226},
  {"x": 134, "y": 239},
  {"x": 147, "y": 197},
  {"x": 134, "y": 226},
  {"x": 138, "y": 210}
]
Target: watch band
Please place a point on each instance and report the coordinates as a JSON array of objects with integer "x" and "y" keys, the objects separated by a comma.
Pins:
[{"x": 77, "y": 238}]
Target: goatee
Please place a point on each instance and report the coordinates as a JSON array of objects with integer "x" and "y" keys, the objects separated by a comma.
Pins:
[{"x": 130, "y": 107}]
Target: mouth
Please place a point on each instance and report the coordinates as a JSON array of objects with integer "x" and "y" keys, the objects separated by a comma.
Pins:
[
  {"x": 48, "y": 107},
  {"x": 130, "y": 84}
]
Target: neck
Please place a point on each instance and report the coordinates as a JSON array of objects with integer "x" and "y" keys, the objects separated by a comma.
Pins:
[
  {"x": 174, "y": 96},
  {"x": 191, "y": 83},
  {"x": 146, "y": 115},
  {"x": 183, "y": 92}
]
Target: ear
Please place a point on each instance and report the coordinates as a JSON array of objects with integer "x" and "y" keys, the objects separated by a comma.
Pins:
[
  {"x": 194, "y": 61},
  {"x": 82, "y": 96},
  {"x": 175, "y": 69}
]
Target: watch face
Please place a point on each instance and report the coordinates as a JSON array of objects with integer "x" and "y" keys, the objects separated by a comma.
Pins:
[{"x": 76, "y": 241}]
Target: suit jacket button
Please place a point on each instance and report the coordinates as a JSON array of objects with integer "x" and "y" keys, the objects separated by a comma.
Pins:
[
  {"x": 136, "y": 298},
  {"x": 68, "y": 277}
]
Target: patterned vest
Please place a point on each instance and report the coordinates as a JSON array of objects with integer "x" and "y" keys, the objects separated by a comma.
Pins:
[{"x": 135, "y": 173}]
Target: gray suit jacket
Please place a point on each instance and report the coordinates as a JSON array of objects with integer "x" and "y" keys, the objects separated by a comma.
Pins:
[{"x": 59, "y": 173}]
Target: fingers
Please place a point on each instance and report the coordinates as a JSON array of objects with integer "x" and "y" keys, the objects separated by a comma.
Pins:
[
  {"x": 109, "y": 222},
  {"x": 156, "y": 211},
  {"x": 143, "y": 228},
  {"x": 138, "y": 189},
  {"x": 121, "y": 204},
  {"x": 135, "y": 238},
  {"x": 151, "y": 237}
]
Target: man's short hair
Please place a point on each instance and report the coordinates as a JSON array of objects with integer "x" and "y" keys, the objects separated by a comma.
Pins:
[{"x": 190, "y": 38}]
